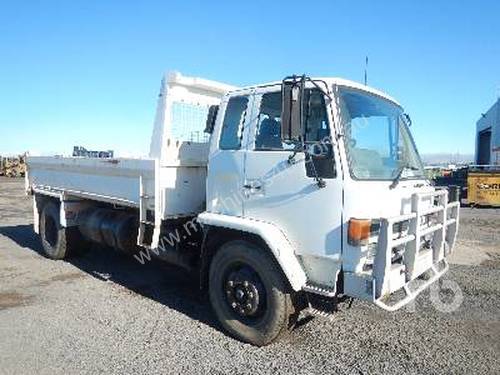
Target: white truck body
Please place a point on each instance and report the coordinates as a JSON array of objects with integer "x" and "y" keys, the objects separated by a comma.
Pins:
[
  {"x": 268, "y": 192},
  {"x": 177, "y": 160}
]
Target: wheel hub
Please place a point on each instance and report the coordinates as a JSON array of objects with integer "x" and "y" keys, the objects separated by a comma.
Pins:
[{"x": 243, "y": 293}]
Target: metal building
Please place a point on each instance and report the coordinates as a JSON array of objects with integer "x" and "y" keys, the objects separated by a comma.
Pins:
[{"x": 488, "y": 137}]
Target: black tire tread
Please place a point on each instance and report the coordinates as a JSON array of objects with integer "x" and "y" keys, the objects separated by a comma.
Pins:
[{"x": 69, "y": 242}]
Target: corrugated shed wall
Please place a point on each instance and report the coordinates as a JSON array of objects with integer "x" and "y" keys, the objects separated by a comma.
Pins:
[{"x": 491, "y": 119}]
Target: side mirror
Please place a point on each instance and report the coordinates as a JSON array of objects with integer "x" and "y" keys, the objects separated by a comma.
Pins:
[
  {"x": 292, "y": 90},
  {"x": 211, "y": 117}
]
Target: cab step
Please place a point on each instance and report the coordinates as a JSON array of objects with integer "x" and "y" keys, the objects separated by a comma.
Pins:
[{"x": 319, "y": 289}]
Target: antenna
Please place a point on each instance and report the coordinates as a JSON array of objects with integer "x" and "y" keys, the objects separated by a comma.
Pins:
[{"x": 366, "y": 70}]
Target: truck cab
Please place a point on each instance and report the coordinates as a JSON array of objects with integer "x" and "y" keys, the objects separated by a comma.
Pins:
[
  {"x": 349, "y": 194},
  {"x": 306, "y": 191}
]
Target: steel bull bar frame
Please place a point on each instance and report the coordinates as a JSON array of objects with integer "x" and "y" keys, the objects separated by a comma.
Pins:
[{"x": 388, "y": 277}]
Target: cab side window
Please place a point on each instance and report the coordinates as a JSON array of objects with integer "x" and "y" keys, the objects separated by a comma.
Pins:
[
  {"x": 268, "y": 135},
  {"x": 316, "y": 119},
  {"x": 232, "y": 127}
]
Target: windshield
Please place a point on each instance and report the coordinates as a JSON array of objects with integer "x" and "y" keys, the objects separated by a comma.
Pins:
[{"x": 378, "y": 142}]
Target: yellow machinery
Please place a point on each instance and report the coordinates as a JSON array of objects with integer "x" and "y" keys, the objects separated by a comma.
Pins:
[{"x": 483, "y": 186}]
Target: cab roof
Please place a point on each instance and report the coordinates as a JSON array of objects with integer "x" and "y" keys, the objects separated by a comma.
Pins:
[{"x": 331, "y": 81}]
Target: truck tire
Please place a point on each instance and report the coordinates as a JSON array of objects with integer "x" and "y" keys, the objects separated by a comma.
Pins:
[
  {"x": 58, "y": 242},
  {"x": 249, "y": 294}
]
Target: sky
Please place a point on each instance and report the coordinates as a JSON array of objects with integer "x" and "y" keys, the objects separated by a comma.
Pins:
[{"x": 88, "y": 72}]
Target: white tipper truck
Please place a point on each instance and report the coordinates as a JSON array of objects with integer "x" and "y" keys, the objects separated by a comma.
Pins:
[{"x": 282, "y": 196}]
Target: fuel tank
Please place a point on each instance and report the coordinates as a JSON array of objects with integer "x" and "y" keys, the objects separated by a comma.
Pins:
[{"x": 117, "y": 229}]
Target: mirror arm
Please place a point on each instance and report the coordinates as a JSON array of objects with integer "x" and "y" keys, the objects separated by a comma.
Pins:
[
  {"x": 310, "y": 159},
  {"x": 291, "y": 158}
]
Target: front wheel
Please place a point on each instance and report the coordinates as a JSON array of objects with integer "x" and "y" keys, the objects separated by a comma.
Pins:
[{"x": 249, "y": 294}]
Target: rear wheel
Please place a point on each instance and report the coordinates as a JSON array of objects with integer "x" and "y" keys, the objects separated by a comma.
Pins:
[
  {"x": 58, "y": 242},
  {"x": 249, "y": 294}
]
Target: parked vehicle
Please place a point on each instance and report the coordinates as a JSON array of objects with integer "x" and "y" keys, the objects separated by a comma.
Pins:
[
  {"x": 455, "y": 179},
  {"x": 280, "y": 196},
  {"x": 483, "y": 185}
]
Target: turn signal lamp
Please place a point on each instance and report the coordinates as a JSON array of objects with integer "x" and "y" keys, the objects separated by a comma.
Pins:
[{"x": 359, "y": 232}]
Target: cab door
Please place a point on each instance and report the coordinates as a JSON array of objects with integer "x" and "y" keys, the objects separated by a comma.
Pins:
[
  {"x": 302, "y": 196},
  {"x": 226, "y": 159}
]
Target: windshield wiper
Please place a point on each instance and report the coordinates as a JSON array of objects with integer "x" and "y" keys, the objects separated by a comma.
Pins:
[{"x": 403, "y": 168}]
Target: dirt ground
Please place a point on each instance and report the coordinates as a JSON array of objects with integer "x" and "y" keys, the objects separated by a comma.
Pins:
[{"x": 104, "y": 312}]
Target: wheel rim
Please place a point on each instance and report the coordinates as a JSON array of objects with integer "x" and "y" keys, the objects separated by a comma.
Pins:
[
  {"x": 50, "y": 231},
  {"x": 244, "y": 291}
]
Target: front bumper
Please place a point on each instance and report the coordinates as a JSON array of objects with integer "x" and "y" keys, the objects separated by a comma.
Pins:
[
  {"x": 393, "y": 283},
  {"x": 410, "y": 295}
]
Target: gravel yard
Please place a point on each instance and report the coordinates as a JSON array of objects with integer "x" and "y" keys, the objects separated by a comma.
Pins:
[{"x": 105, "y": 312}]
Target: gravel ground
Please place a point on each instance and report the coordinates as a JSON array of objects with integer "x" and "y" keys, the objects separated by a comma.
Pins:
[{"x": 107, "y": 313}]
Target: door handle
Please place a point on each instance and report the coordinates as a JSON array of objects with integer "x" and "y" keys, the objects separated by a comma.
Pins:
[{"x": 255, "y": 187}]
